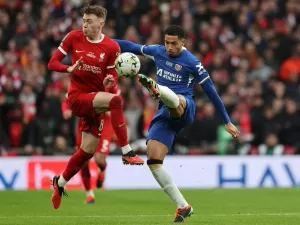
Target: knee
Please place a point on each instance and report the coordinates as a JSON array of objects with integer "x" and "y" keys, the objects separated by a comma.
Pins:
[
  {"x": 89, "y": 148},
  {"x": 182, "y": 101},
  {"x": 116, "y": 102},
  {"x": 100, "y": 159},
  {"x": 154, "y": 164}
]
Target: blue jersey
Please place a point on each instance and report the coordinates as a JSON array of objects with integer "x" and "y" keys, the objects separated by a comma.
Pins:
[{"x": 178, "y": 73}]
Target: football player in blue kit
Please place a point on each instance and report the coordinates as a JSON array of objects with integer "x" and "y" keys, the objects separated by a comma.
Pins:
[{"x": 178, "y": 70}]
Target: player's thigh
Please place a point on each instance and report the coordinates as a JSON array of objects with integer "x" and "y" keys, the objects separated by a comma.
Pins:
[
  {"x": 81, "y": 104},
  {"x": 179, "y": 111},
  {"x": 156, "y": 150},
  {"x": 101, "y": 101},
  {"x": 161, "y": 135},
  {"x": 89, "y": 142}
]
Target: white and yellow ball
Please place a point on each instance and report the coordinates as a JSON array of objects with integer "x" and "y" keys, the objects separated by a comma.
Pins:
[{"x": 127, "y": 64}]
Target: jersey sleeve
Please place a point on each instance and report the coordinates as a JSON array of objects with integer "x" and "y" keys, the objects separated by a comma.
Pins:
[
  {"x": 66, "y": 44},
  {"x": 201, "y": 75},
  {"x": 150, "y": 51},
  {"x": 115, "y": 51},
  {"x": 65, "y": 106}
]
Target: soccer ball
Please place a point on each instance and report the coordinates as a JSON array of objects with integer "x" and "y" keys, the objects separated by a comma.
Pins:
[{"x": 127, "y": 64}]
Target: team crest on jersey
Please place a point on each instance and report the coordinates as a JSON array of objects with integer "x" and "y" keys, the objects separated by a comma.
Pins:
[
  {"x": 178, "y": 67},
  {"x": 101, "y": 57}
]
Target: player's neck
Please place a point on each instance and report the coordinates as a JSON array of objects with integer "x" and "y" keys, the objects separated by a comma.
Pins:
[{"x": 97, "y": 39}]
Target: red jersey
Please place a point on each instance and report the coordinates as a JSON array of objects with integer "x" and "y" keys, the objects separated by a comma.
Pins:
[{"x": 98, "y": 61}]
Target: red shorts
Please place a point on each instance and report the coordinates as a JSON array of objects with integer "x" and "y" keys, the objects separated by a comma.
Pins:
[
  {"x": 105, "y": 138},
  {"x": 81, "y": 105}
]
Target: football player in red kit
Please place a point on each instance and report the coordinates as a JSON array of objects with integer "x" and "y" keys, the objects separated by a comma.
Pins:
[
  {"x": 102, "y": 151},
  {"x": 93, "y": 75}
]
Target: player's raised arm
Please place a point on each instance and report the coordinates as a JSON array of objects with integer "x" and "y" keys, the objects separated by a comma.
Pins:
[
  {"x": 147, "y": 50},
  {"x": 64, "y": 48},
  {"x": 204, "y": 80},
  {"x": 128, "y": 46}
]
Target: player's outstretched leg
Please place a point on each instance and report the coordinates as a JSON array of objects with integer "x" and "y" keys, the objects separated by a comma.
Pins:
[
  {"x": 74, "y": 165},
  {"x": 86, "y": 180},
  {"x": 119, "y": 126},
  {"x": 159, "y": 91},
  {"x": 184, "y": 210},
  {"x": 156, "y": 152}
]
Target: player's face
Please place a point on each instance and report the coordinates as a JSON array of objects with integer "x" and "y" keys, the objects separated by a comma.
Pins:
[
  {"x": 92, "y": 25},
  {"x": 173, "y": 45}
]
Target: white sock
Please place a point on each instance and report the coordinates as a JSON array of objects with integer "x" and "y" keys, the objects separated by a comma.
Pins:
[
  {"x": 168, "y": 96},
  {"x": 61, "y": 181},
  {"x": 90, "y": 193},
  {"x": 166, "y": 182},
  {"x": 126, "y": 149}
]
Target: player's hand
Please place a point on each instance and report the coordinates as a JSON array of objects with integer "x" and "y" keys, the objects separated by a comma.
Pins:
[
  {"x": 73, "y": 68},
  {"x": 67, "y": 114},
  {"x": 108, "y": 81},
  {"x": 231, "y": 129}
]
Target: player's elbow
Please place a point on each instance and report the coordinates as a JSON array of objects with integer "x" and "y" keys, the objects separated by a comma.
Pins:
[{"x": 51, "y": 64}]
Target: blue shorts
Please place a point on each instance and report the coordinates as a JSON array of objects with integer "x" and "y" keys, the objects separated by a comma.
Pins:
[{"x": 164, "y": 129}]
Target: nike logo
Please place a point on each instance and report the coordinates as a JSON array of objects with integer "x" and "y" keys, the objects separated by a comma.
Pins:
[
  {"x": 78, "y": 51},
  {"x": 121, "y": 125}
]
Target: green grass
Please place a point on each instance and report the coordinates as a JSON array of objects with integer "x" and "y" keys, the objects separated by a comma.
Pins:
[{"x": 211, "y": 207}]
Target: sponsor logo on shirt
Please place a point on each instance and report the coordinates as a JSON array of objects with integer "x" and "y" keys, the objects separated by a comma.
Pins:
[
  {"x": 91, "y": 54},
  {"x": 89, "y": 68}
]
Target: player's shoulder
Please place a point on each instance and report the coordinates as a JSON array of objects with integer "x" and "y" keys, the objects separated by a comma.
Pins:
[
  {"x": 110, "y": 43},
  {"x": 190, "y": 58},
  {"x": 75, "y": 34}
]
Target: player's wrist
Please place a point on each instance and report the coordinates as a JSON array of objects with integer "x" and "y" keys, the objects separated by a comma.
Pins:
[{"x": 69, "y": 69}]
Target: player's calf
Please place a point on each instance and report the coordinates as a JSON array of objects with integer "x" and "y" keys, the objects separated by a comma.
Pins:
[
  {"x": 101, "y": 163},
  {"x": 156, "y": 154}
]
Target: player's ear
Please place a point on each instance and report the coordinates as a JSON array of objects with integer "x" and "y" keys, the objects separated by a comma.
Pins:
[{"x": 183, "y": 41}]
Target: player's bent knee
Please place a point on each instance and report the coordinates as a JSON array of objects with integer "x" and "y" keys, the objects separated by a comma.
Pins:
[
  {"x": 182, "y": 101},
  {"x": 102, "y": 100},
  {"x": 154, "y": 164},
  {"x": 116, "y": 102},
  {"x": 100, "y": 158},
  {"x": 179, "y": 111},
  {"x": 89, "y": 143},
  {"x": 156, "y": 150}
]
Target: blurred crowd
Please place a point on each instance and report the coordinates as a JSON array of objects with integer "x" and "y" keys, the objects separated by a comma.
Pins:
[{"x": 251, "y": 48}]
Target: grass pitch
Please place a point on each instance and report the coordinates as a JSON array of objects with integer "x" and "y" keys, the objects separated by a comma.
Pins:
[{"x": 211, "y": 207}]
